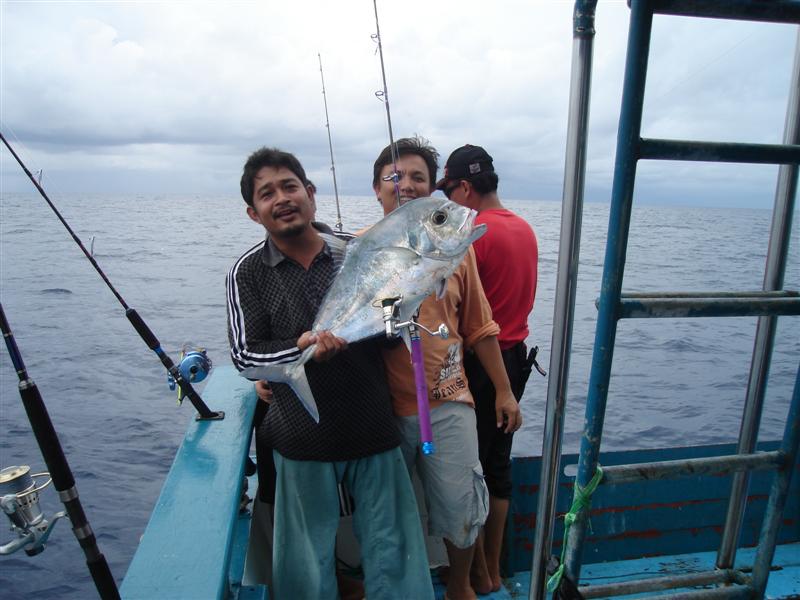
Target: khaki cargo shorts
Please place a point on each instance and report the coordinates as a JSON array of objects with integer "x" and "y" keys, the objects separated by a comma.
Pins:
[{"x": 452, "y": 479}]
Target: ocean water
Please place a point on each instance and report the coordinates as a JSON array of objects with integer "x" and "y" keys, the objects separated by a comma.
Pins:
[{"x": 673, "y": 382}]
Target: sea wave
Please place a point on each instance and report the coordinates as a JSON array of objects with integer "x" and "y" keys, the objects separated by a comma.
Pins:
[{"x": 673, "y": 381}]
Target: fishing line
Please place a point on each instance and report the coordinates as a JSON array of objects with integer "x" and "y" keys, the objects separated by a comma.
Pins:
[
  {"x": 383, "y": 95},
  {"x": 38, "y": 173},
  {"x": 330, "y": 146},
  {"x": 415, "y": 343},
  {"x": 695, "y": 73},
  {"x": 138, "y": 323},
  {"x": 45, "y": 180}
]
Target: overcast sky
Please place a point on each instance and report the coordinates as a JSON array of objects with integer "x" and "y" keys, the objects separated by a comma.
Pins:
[{"x": 171, "y": 97}]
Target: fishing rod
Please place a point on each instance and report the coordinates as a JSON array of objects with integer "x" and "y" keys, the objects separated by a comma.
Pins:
[
  {"x": 383, "y": 95},
  {"x": 330, "y": 146},
  {"x": 181, "y": 376},
  {"x": 394, "y": 329},
  {"x": 19, "y": 492},
  {"x": 390, "y": 304}
]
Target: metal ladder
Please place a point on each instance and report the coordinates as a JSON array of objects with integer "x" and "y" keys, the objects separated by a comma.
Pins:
[{"x": 767, "y": 304}]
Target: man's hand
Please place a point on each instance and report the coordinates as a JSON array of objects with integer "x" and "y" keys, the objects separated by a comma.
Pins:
[
  {"x": 263, "y": 391},
  {"x": 505, "y": 404},
  {"x": 328, "y": 345},
  {"x": 507, "y": 411}
]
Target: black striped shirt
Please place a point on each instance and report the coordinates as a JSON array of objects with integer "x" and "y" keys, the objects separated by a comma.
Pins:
[{"x": 272, "y": 300}]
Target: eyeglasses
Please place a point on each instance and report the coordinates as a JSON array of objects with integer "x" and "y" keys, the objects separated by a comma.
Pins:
[{"x": 448, "y": 191}]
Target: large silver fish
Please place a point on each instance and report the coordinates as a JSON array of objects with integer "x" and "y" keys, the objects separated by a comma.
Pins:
[{"x": 410, "y": 253}]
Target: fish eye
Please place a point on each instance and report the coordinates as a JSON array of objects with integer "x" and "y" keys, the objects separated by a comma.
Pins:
[{"x": 439, "y": 217}]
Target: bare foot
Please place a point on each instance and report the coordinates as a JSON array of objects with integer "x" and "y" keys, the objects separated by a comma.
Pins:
[
  {"x": 460, "y": 594},
  {"x": 481, "y": 582},
  {"x": 486, "y": 587},
  {"x": 452, "y": 594},
  {"x": 480, "y": 586},
  {"x": 497, "y": 582},
  {"x": 480, "y": 575}
]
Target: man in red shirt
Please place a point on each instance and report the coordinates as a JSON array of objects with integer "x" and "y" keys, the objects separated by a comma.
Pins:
[{"x": 507, "y": 257}]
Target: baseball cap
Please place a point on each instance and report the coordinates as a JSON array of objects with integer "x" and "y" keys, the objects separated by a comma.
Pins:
[{"x": 465, "y": 162}]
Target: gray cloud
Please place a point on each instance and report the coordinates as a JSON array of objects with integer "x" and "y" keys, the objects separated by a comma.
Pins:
[{"x": 173, "y": 96}]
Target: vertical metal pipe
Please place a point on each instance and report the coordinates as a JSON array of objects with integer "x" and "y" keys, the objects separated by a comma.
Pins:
[
  {"x": 785, "y": 194},
  {"x": 566, "y": 283},
  {"x": 777, "y": 496},
  {"x": 628, "y": 138}
]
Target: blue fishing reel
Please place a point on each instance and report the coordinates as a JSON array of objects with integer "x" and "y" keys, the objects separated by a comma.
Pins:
[{"x": 194, "y": 367}]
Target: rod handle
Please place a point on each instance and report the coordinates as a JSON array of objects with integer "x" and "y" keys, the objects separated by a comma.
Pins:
[{"x": 142, "y": 329}]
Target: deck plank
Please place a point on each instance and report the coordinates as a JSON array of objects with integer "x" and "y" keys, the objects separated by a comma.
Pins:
[{"x": 784, "y": 579}]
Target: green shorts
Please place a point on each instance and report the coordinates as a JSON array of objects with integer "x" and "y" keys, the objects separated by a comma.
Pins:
[{"x": 385, "y": 520}]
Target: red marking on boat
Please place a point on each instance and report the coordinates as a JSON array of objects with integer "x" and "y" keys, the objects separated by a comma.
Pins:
[{"x": 644, "y": 534}]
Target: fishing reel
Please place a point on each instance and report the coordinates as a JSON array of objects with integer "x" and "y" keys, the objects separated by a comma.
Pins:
[
  {"x": 19, "y": 499},
  {"x": 409, "y": 330},
  {"x": 194, "y": 366},
  {"x": 391, "y": 307}
]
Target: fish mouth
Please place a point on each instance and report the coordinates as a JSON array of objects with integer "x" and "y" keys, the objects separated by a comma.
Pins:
[
  {"x": 469, "y": 221},
  {"x": 469, "y": 229}
]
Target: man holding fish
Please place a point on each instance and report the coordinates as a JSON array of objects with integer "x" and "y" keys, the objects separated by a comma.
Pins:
[
  {"x": 274, "y": 292},
  {"x": 455, "y": 493}
]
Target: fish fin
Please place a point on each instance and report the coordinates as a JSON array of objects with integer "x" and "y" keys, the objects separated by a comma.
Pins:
[
  {"x": 339, "y": 249},
  {"x": 441, "y": 288},
  {"x": 292, "y": 374},
  {"x": 407, "y": 312},
  {"x": 406, "y": 338},
  {"x": 398, "y": 253},
  {"x": 477, "y": 232}
]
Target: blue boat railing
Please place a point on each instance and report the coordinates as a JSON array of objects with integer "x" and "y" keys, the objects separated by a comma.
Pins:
[
  {"x": 195, "y": 542},
  {"x": 769, "y": 303},
  {"x": 679, "y": 520}
]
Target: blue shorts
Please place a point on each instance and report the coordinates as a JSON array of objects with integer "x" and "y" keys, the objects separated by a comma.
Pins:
[{"x": 385, "y": 521}]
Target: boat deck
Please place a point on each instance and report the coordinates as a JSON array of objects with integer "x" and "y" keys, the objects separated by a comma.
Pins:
[
  {"x": 784, "y": 579},
  {"x": 211, "y": 561}
]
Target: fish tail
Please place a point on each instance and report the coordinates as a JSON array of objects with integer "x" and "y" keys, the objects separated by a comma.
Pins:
[
  {"x": 299, "y": 382},
  {"x": 292, "y": 374}
]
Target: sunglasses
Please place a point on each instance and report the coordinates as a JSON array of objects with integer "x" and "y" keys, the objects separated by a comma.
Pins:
[{"x": 448, "y": 191}]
